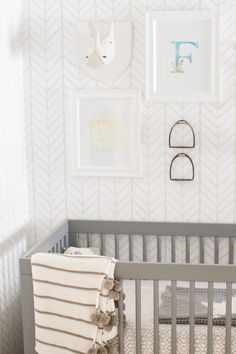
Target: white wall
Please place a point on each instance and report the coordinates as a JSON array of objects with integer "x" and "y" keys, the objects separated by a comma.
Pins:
[
  {"x": 52, "y": 71},
  {"x": 14, "y": 216}
]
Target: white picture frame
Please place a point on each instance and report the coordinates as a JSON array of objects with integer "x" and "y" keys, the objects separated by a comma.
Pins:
[
  {"x": 183, "y": 56},
  {"x": 106, "y": 132}
]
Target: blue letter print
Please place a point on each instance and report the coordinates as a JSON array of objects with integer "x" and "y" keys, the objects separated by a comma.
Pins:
[{"x": 179, "y": 58}]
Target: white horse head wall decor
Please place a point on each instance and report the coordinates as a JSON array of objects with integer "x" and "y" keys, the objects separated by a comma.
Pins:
[
  {"x": 100, "y": 51},
  {"x": 104, "y": 48}
]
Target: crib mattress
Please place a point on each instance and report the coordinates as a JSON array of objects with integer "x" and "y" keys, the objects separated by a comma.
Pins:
[
  {"x": 165, "y": 329},
  {"x": 182, "y": 339}
]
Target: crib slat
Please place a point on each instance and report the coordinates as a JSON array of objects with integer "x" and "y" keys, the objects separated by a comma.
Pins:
[
  {"x": 102, "y": 244},
  {"x": 77, "y": 240},
  {"x": 61, "y": 246},
  {"x": 191, "y": 317},
  {"x": 216, "y": 255},
  {"x": 131, "y": 254},
  {"x": 173, "y": 317},
  {"x": 121, "y": 324},
  {"x": 87, "y": 240},
  {"x": 231, "y": 250},
  {"x": 210, "y": 319},
  {"x": 202, "y": 249},
  {"x": 138, "y": 315},
  {"x": 187, "y": 249},
  {"x": 228, "y": 318},
  {"x": 158, "y": 248},
  {"x": 65, "y": 242},
  {"x": 144, "y": 248},
  {"x": 173, "y": 248},
  {"x": 117, "y": 253},
  {"x": 156, "y": 316}
]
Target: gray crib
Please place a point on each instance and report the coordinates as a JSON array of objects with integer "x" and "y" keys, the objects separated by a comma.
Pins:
[{"x": 149, "y": 251}]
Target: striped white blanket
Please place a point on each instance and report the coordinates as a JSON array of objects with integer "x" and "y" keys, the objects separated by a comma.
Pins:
[{"x": 74, "y": 309}]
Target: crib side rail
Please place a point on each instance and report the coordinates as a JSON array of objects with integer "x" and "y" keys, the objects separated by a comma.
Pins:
[
  {"x": 176, "y": 272},
  {"x": 181, "y": 272}
]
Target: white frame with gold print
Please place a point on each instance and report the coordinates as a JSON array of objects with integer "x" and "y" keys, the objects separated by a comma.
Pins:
[{"x": 106, "y": 131}]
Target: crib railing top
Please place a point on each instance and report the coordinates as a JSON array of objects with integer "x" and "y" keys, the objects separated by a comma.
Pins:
[{"x": 152, "y": 228}]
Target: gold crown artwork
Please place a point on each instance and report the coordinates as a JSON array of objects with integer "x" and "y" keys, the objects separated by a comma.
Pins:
[{"x": 105, "y": 133}]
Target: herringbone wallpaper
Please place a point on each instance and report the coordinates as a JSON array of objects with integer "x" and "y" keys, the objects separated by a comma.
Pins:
[{"x": 51, "y": 71}]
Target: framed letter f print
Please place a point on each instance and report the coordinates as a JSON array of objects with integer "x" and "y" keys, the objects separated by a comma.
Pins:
[{"x": 183, "y": 55}]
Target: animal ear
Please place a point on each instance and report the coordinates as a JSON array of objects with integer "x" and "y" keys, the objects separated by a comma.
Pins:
[
  {"x": 92, "y": 28},
  {"x": 98, "y": 40},
  {"x": 111, "y": 32}
]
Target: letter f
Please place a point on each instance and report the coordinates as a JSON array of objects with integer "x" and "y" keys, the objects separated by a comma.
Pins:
[{"x": 178, "y": 57}]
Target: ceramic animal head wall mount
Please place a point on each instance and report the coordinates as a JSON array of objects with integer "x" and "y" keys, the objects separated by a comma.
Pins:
[
  {"x": 101, "y": 52},
  {"x": 104, "y": 48}
]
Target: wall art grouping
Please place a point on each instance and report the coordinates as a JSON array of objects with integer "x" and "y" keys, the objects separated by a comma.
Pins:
[{"x": 182, "y": 64}]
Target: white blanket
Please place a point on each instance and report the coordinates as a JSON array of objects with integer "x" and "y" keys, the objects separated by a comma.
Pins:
[{"x": 67, "y": 292}]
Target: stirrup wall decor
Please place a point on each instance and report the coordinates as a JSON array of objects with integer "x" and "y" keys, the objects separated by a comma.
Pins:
[
  {"x": 182, "y": 155},
  {"x": 182, "y": 145}
]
